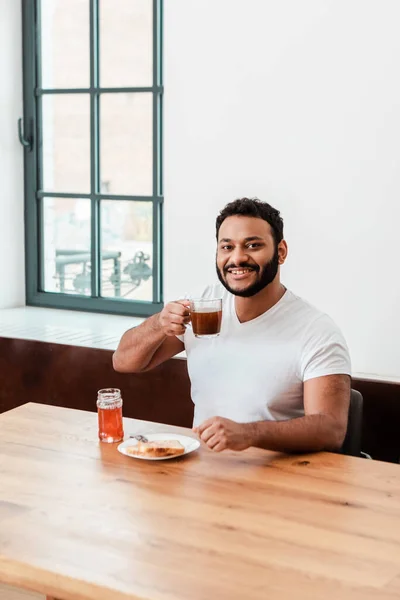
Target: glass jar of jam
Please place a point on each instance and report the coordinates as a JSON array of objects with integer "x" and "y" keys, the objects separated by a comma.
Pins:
[{"x": 109, "y": 410}]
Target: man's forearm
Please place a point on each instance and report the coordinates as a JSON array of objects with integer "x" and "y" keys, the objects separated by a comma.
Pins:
[
  {"x": 138, "y": 346},
  {"x": 310, "y": 433}
]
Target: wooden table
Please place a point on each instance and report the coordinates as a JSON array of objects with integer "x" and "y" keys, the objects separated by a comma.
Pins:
[{"x": 79, "y": 521}]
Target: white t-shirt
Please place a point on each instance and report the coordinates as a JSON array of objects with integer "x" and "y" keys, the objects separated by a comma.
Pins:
[{"x": 254, "y": 371}]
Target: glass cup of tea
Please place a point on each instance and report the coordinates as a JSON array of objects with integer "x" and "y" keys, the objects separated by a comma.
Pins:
[{"x": 206, "y": 317}]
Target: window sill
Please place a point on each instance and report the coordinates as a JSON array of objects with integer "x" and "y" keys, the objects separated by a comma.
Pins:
[
  {"x": 70, "y": 327},
  {"x": 74, "y": 328}
]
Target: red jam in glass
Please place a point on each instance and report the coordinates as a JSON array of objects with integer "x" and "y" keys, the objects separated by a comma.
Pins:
[{"x": 109, "y": 409}]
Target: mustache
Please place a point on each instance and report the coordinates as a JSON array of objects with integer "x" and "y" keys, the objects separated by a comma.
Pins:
[{"x": 242, "y": 265}]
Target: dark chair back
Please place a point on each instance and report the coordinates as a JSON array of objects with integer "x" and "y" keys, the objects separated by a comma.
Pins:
[{"x": 352, "y": 442}]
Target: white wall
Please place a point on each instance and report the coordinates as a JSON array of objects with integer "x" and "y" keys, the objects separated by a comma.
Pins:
[
  {"x": 12, "y": 274},
  {"x": 299, "y": 104},
  {"x": 295, "y": 102}
]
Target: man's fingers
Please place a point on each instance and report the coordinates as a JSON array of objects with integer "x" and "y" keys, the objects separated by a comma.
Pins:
[
  {"x": 213, "y": 434},
  {"x": 208, "y": 433},
  {"x": 203, "y": 426},
  {"x": 184, "y": 302},
  {"x": 176, "y": 308},
  {"x": 174, "y": 317},
  {"x": 175, "y": 320},
  {"x": 219, "y": 447},
  {"x": 216, "y": 444},
  {"x": 175, "y": 329},
  {"x": 213, "y": 441},
  {"x": 178, "y": 318}
]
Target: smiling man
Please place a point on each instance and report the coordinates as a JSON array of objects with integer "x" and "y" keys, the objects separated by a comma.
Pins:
[{"x": 278, "y": 376}]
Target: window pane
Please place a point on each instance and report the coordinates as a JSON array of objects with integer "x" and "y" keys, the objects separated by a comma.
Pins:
[
  {"x": 126, "y": 38},
  {"x": 65, "y": 33},
  {"x": 127, "y": 249},
  {"x": 126, "y": 143},
  {"x": 66, "y": 228},
  {"x": 66, "y": 143}
]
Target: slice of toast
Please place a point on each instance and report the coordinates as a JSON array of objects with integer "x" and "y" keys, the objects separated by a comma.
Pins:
[{"x": 157, "y": 449}]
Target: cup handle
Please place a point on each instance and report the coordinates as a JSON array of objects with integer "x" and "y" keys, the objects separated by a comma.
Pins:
[
  {"x": 187, "y": 297},
  {"x": 190, "y": 322}
]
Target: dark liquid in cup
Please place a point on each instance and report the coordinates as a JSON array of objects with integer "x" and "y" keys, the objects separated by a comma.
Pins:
[{"x": 207, "y": 322}]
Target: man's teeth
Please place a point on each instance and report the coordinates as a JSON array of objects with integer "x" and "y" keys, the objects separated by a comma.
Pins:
[{"x": 240, "y": 272}]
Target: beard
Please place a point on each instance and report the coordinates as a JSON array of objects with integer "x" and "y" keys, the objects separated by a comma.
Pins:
[{"x": 265, "y": 275}]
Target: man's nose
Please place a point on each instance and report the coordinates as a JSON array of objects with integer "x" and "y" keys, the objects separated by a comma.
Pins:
[{"x": 239, "y": 255}]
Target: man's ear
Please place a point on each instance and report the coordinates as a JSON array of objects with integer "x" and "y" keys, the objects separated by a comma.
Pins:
[{"x": 282, "y": 252}]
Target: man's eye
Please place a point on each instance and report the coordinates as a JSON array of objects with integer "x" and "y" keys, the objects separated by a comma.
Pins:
[
  {"x": 254, "y": 245},
  {"x": 226, "y": 247}
]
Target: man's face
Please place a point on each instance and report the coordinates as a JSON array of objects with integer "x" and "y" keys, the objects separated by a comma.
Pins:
[{"x": 247, "y": 256}]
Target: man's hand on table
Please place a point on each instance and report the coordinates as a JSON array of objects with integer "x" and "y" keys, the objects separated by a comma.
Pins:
[{"x": 223, "y": 434}]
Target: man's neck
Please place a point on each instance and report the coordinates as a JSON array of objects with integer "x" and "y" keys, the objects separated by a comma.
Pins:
[{"x": 248, "y": 309}]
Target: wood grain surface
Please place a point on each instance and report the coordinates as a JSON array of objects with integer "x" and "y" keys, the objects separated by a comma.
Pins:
[
  {"x": 80, "y": 521},
  {"x": 10, "y": 593}
]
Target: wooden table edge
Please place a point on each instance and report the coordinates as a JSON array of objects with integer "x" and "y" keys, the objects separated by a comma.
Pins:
[{"x": 55, "y": 586}]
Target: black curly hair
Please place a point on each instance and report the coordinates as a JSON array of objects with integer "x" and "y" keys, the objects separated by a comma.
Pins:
[{"x": 252, "y": 207}]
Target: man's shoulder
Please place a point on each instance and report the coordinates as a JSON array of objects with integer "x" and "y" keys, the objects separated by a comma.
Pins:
[
  {"x": 315, "y": 320},
  {"x": 300, "y": 305}
]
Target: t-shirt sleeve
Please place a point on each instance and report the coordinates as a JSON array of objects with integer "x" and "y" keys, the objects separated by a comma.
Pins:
[{"x": 325, "y": 351}]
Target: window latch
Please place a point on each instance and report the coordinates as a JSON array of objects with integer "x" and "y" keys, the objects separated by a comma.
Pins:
[{"x": 26, "y": 142}]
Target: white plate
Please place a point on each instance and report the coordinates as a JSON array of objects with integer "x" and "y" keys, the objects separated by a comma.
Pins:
[{"x": 190, "y": 444}]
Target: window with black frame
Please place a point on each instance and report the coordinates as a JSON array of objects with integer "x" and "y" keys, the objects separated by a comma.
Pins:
[{"x": 92, "y": 135}]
